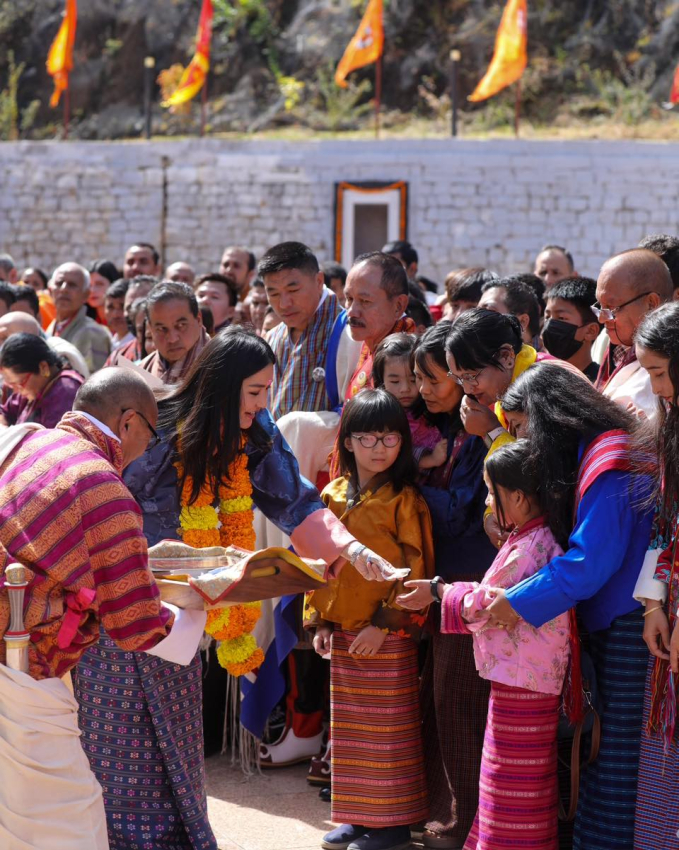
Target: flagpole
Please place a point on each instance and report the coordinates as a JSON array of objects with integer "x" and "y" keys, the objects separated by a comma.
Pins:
[
  {"x": 517, "y": 108},
  {"x": 203, "y": 108},
  {"x": 67, "y": 110},
  {"x": 378, "y": 94}
]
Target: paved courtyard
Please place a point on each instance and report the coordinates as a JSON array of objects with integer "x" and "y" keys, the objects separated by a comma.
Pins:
[{"x": 277, "y": 810}]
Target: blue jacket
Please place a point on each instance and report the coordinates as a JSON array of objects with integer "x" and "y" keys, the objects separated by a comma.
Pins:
[
  {"x": 278, "y": 490},
  {"x": 601, "y": 566},
  {"x": 461, "y": 547}
]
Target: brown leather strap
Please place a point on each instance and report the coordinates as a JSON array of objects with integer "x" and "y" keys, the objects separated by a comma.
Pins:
[{"x": 575, "y": 763}]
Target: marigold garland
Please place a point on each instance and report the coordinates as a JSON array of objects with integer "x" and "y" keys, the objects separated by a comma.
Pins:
[{"x": 202, "y": 526}]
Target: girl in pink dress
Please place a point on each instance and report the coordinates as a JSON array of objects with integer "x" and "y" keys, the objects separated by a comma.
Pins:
[{"x": 518, "y": 796}]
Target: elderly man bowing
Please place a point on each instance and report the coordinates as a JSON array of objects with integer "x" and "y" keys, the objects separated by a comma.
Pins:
[{"x": 67, "y": 517}]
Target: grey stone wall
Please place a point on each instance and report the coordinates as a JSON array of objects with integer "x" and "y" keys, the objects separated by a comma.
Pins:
[{"x": 471, "y": 203}]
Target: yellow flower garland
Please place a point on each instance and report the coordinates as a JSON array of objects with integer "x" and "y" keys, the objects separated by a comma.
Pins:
[{"x": 202, "y": 525}]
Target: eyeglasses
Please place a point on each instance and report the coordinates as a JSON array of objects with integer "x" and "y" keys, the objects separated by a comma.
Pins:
[
  {"x": 369, "y": 441},
  {"x": 611, "y": 315},
  {"x": 156, "y": 438},
  {"x": 471, "y": 379}
]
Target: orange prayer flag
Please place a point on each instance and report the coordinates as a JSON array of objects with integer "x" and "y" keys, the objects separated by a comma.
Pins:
[
  {"x": 674, "y": 94},
  {"x": 510, "y": 57},
  {"x": 366, "y": 46},
  {"x": 193, "y": 78},
  {"x": 60, "y": 56}
]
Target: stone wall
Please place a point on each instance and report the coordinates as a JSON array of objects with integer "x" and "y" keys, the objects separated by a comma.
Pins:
[{"x": 471, "y": 203}]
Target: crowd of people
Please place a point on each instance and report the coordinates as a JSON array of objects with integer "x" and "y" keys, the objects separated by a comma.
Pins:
[{"x": 490, "y": 474}]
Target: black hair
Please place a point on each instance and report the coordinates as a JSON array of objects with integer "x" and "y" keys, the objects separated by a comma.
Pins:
[
  {"x": 475, "y": 339},
  {"x": 399, "y": 346},
  {"x": 23, "y": 292},
  {"x": 416, "y": 292},
  {"x": 431, "y": 346},
  {"x": 257, "y": 283},
  {"x": 106, "y": 269},
  {"x": 578, "y": 291},
  {"x": 25, "y": 352},
  {"x": 208, "y": 319},
  {"x": 513, "y": 467},
  {"x": 169, "y": 290},
  {"x": 563, "y": 411},
  {"x": 118, "y": 289},
  {"x": 519, "y": 299},
  {"x": 41, "y": 274},
  {"x": 7, "y": 293},
  {"x": 215, "y": 277},
  {"x": 466, "y": 284},
  {"x": 149, "y": 247},
  {"x": 288, "y": 255},
  {"x": 419, "y": 312},
  {"x": 394, "y": 280},
  {"x": 659, "y": 333},
  {"x": 377, "y": 410},
  {"x": 667, "y": 248},
  {"x": 532, "y": 281},
  {"x": 426, "y": 283},
  {"x": 333, "y": 270},
  {"x": 207, "y": 404},
  {"x": 560, "y": 249},
  {"x": 404, "y": 249}
]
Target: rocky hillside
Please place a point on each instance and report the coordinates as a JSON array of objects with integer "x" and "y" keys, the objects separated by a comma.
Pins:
[{"x": 273, "y": 61}]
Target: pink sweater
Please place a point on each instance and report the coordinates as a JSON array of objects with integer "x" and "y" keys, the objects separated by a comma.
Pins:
[{"x": 522, "y": 657}]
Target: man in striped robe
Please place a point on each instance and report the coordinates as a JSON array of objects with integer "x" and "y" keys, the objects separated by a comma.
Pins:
[{"x": 66, "y": 515}]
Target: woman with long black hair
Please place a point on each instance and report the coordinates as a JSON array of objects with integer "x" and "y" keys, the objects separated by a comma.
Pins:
[
  {"x": 581, "y": 440},
  {"x": 141, "y": 715},
  {"x": 657, "y": 818}
]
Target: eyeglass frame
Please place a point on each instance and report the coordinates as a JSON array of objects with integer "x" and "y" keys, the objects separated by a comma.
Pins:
[
  {"x": 613, "y": 311},
  {"x": 360, "y": 438},
  {"x": 474, "y": 380},
  {"x": 20, "y": 385},
  {"x": 157, "y": 439}
]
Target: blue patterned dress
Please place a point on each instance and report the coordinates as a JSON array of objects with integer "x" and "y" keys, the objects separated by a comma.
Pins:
[{"x": 141, "y": 716}]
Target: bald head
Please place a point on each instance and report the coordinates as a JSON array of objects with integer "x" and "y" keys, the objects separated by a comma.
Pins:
[
  {"x": 180, "y": 273},
  {"x": 630, "y": 285},
  {"x": 110, "y": 391},
  {"x": 18, "y": 323}
]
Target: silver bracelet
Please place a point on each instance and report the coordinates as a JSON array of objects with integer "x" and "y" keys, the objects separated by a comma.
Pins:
[{"x": 356, "y": 554}]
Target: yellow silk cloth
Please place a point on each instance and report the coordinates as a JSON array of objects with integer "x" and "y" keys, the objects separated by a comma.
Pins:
[{"x": 396, "y": 526}]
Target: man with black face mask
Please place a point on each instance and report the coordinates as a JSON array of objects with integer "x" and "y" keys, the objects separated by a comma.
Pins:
[{"x": 570, "y": 325}]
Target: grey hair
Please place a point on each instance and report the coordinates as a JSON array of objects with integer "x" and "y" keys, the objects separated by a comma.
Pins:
[
  {"x": 83, "y": 271},
  {"x": 7, "y": 263}
]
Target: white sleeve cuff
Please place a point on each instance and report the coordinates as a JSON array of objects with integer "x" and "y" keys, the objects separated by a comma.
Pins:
[
  {"x": 181, "y": 644},
  {"x": 648, "y": 587}
]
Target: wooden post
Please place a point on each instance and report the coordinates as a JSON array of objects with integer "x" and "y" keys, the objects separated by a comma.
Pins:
[
  {"x": 517, "y": 108},
  {"x": 455, "y": 57},
  {"x": 67, "y": 110},
  {"x": 203, "y": 108},
  {"x": 149, "y": 66},
  {"x": 378, "y": 95}
]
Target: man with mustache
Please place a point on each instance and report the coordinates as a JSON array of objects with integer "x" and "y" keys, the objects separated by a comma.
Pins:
[{"x": 69, "y": 288}]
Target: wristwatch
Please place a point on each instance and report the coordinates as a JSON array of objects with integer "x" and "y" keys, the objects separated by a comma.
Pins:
[{"x": 434, "y": 588}]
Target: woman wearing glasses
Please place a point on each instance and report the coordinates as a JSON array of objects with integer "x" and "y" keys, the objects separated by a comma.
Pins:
[
  {"x": 141, "y": 716},
  {"x": 42, "y": 387},
  {"x": 453, "y": 717}
]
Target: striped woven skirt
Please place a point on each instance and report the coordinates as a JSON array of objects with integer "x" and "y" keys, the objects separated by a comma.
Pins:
[
  {"x": 142, "y": 731},
  {"x": 377, "y": 762},
  {"x": 657, "y": 821},
  {"x": 608, "y": 788},
  {"x": 518, "y": 793}
]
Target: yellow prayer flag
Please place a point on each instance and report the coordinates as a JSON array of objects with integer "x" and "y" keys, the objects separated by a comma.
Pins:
[
  {"x": 510, "y": 57},
  {"x": 193, "y": 78},
  {"x": 366, "y": 46},
  {"x": 60, "y": 56}
]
